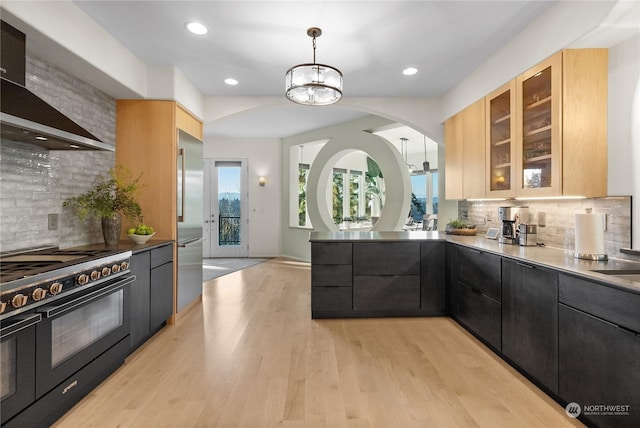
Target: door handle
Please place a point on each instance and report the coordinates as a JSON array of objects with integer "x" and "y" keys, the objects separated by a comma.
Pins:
[{"x": 183, "y": 186}]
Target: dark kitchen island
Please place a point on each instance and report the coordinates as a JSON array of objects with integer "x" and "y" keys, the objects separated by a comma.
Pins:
[{"x": 377, "y": 274}]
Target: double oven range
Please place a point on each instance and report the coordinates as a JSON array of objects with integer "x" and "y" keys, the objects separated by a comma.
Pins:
[{"x": 64, "y": 327}]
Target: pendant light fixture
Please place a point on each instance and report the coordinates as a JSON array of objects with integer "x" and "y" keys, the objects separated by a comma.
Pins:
[
  {"x": 425, "y": 164},
  {"x": 314, "y": 84}
]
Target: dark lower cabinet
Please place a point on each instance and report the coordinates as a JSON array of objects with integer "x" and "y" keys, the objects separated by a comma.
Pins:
[
  {"x": 432, "y": 278},
  {"x": 481, "y": 271},
  {"x": 377, "y": 279},
  {"x": 161, "y": 295},
  {"x": 140, "y": 290},
  {"x": 386, "y": 293},
  {"x": 151, "y": 292},
  {"x": 331, "y": 279},
  {"x": 451, "y": 279},
  {"x": 478, "y": 294},
  {"x": 599, "y": 366},
  {"x": 480, "y": 314},
  {"x": 530, "y": 320},
  {"x": 330, "y": 300},
  {"x": 386, "y": 258}
]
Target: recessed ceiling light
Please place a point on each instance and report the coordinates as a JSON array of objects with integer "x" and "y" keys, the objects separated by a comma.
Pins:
[
  {"x": 41, "y": 138},
  {"x": 230, "y": 81},
  {"x": 410, "y": 71},
  {"x": 196, "y": 28}
]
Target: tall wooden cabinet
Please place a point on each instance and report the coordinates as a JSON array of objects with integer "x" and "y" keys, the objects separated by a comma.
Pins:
[
  {"x": 465, "y": 153},
  {"x": 147, "y": 143},
  {"x": 545, "y": 133}
]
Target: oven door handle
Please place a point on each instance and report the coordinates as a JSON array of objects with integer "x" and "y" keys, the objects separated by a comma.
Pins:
[
  {"x": 52, "y": 311},
  {"x": 21, "y": 323}
]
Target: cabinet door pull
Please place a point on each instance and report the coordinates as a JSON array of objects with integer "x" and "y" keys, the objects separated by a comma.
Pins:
[
  {"x": 474, "y": 251},
  {"x": 525, "y": 265}
]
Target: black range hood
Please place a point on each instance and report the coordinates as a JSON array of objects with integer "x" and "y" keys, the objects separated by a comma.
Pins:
[{"x": 27, "y": 118}]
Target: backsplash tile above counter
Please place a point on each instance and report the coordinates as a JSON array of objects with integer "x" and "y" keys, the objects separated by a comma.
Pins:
[
  {"x": 559, "y": 228},
  {"x": 34, "y": 182}
]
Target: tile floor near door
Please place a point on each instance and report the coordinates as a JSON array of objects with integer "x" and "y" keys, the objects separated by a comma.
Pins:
[{"x": 251, "y": 356}]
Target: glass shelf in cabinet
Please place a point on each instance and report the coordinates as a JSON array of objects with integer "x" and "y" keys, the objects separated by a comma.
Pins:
[
  {"x": 533, "y": 103},
  {"x": 537, "y": 131},
  {"x": 546, "y": 158},
  {"x": 502, "y": 119},
  {"x": 501, "y": 142}
]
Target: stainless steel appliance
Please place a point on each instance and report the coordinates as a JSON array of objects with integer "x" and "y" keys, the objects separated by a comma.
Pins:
[
  {"x": 190, "y": 218},
  {"x": 511, "y": 217},
  {"x": 528, "y": 235},
  {"x": 65, "y": 327}
]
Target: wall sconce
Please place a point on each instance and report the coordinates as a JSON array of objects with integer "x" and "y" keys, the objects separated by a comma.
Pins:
[{"x": 262, "y": 180}]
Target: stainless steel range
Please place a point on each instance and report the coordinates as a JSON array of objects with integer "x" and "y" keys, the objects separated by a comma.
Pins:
[
  {"x": 64, "y": 328},
  {"x": 34, "y": 278}
]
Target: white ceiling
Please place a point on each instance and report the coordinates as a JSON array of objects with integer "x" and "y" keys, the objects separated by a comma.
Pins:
[{"x": 371, "y": 42}]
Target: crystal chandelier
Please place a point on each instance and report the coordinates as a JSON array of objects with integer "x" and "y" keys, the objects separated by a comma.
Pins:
[{"x": 314, "y": 84}]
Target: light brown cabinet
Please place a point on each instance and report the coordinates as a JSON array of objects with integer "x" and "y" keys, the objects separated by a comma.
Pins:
[
  {"x": 538, "y": 122},
  {"x": 545, "y": 132},
  {"x": 501, "y": 141},
  {"x": 147, "y": 143},
  {"x": 465, "y": 153}
]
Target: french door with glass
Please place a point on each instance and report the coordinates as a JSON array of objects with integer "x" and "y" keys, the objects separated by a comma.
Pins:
[{"x": 225, "y": 208}]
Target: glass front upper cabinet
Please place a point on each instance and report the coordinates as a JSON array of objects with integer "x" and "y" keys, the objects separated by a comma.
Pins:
[
  {"x": 539, "y": 150},
  {"x": 501, "y": 136}
]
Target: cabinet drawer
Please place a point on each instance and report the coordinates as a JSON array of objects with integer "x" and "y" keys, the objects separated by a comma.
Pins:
[
  {"x": 331, "y": 298},
  {"x": 480, "y": 271},
  {"x": 617, "y": 306},
  {"x": 331, "y": 275},
  {"x": 386, "y": 292},
  {"x": 386, "y": 258},
  {"x": 331, "y": 253},
  {"x": 481, "y": 314},
  {"x": 162, "y": 255}
]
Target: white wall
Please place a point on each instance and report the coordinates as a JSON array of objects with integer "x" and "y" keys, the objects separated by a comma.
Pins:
[{"x": 264, "y": 202}]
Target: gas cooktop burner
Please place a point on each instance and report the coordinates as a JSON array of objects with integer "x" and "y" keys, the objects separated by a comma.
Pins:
[
  {"x": 29, "y": 278},
  {"x": 31, "y": 263}
]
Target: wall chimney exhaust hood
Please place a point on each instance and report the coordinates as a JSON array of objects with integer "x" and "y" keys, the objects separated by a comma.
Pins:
[{"x": 25, "y": 117}]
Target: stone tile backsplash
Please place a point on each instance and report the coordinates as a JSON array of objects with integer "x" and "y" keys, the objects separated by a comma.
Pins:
[
  {"x": 559, "y": 229},
  {"x": 34, "y": 182}
]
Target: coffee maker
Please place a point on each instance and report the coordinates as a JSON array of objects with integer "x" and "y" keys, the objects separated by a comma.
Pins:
[{"x": 511, "y": 218}]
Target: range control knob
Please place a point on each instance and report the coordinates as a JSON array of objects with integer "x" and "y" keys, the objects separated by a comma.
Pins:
[
  {"x": 124, "y": 265},
  {"x": 55, "y": 288},
  {"x": 3, "y": 306},
  {"x": 38, "y": 294},
  {"x": 106, "y": 271},
  {"x": 83, "y": 279},
  {"x": 115, "y": 268},
  {"x": 19, "y": 300},
  {"x": 95, "y": 275}
]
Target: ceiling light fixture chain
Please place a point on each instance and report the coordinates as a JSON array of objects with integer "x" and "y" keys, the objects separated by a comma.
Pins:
[{"x": 313, "y": 84}]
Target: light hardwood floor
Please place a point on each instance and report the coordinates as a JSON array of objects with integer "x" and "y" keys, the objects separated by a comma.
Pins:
[{"x": 251, "y": 356}]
